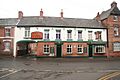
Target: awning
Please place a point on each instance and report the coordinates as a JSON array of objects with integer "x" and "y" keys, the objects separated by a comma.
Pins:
[
  {"x": 97, "y": 42},
  {"x": 26, "y": 41}
]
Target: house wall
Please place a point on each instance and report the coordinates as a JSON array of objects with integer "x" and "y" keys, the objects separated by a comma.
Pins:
[
  {"x": 109, "y": 23},
  {"x": 4, "y": 39}
]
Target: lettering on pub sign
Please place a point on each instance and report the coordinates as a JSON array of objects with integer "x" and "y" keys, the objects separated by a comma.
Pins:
[{"x": 36, "y": 35}]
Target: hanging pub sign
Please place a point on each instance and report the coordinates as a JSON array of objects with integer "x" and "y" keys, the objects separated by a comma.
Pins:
[{"x": 36, "y": 35}]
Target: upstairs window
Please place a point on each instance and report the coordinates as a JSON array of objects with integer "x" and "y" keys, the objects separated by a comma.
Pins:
[
  {"x": 7, "y": 32},
  {"x": 116, "y": 30},
  {"x": 58, "y": 34},
  {"x": 89, "y": 35},
  {"x": 115, "y": 18},
  {"x": 46, "y": 34},
  {"x": 98, "y": 35},
  {"x": 27, "y": 32},
  {"x": 69, "y": 34},
  {"x": 79, "y": 35}
]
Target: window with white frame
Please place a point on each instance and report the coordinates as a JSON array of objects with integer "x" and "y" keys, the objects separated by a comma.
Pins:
[
  {"x": 46, "y": 49},
  {"x": 58, "y": 34},
  {"x": 79, "y": 34},
  {"x": 69, "y": 49},
  {"x": 98, "y": 35},
  {"x": 27, "y": 32},
  {"x": 80, "y": 49},
  {"x": 89, "y": 35},
  {"x": 99, "y": 49},
  {"x": 116, "y": 30},
  {"x": 116, "y": 46},
  {"x": 69, "y": 34},
  {"x": 7, "y": 32},
  {"x": 46, "y": 34},
  {"x": 7, "y": 46},
  {"x": 115, "y": 18}
]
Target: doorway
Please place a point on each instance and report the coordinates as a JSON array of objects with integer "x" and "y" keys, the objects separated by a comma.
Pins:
[
  {"x": 90, "y": 51},
  {"x": 58, "y": 50}
]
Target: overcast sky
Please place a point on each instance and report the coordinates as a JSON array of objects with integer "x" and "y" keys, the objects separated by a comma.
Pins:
[{"x": 71, "y": 8}]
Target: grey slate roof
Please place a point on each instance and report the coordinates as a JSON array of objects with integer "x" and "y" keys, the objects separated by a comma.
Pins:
[
  {"x": 8, "y": 21},
  {"x": 57, "y": 21},
  {"x": 113, "y": 10}
]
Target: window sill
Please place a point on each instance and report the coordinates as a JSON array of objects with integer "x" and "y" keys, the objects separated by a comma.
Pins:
[
  {"x": 79, "y": 53},
  {"x": 46, "y": 39},
  {"x": 100, "y": 53},
  {"x": 80, "y": 39},
  {"x": 26, "y": 37},
  {"x": 69, "y": 40},
  {"x": 69, "y": 53}
]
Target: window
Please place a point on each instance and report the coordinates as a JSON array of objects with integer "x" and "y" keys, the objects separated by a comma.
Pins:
[
  {"x": 80, "y": 49},
  {"x": 46, "y": 34},
  {"x": 98, "y": 35},
  {"x": 100, "y": 49},
  {"x": 58, "y": 34},
  {"x": 115, "y": 18},
  {"x": 69, "y": 34},
  {"x": 7, "y": 46},
  {"x": 27, "y": 32},
  {"x": 89, "y": 35},
  {"x": 69, "y": 49},
  {"x": 116, "y": 46},
  {"x": 79, "y": 35},
  {"x": 46, "y": 49},
  {"x": 7, "y": 32},
  {"x": 116, "y": 30}
]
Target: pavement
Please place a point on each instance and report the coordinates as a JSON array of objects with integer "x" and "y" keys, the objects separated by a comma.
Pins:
[{"x": 31, "y": 68}]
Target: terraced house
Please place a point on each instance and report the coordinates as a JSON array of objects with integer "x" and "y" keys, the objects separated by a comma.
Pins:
[{"x": 46, "y": 36}]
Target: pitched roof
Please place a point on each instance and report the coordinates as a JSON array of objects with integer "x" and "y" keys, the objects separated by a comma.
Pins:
[
  {"x": 57, "y": 21},
  {"x": 114, "y": 10},
  {"x": 8, "y": 21}
]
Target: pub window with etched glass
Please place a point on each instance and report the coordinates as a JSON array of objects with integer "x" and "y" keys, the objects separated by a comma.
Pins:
[
  {"x": 80, "y": 49},
  {"x": 98, "y": 35},
  {"x": 79, "y": 35},
  {"x": 116, "y": 46},
  {"x": 58, "y": 34},
  {"x": 69, "y": 34},
  {"x": 46, "y": 49},
  {"x": 7, "y": 32},
  {"x": 27, "y": 32},
  {"x": 99, "y": 49},
  {"x": 116, "y": 30},
  {"x": 69, "y": 49},
  {"x": 46, "y": 34}
]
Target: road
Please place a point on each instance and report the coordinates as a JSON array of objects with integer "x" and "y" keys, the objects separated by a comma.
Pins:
[{"x": 29, "y": 68}]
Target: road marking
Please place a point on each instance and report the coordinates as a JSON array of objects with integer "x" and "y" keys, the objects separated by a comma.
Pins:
[
  {"x": 109, "y": 76},
  {"x": 10, "y": 74}
]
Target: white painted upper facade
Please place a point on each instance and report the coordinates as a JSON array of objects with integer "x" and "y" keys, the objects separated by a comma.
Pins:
[{"x": 20, "y": 33}]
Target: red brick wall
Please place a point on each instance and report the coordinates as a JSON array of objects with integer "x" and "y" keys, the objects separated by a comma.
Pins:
[
  {"x": 40, "y": 48},
  {"x": 109, "y": 23},
  {"x": 74, "y": 49}
]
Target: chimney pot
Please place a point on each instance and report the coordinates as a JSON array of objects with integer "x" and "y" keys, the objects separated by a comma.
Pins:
[
  {"x": 61, "y": 13},
  {"x": 20, "y": 14},
  {"x": 41, "y": 13}
]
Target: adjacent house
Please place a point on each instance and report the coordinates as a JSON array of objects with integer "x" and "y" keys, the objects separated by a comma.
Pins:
[{"x": 111, "y": 20}]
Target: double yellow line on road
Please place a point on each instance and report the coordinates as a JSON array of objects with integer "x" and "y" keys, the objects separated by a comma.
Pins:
[{"x": 108, "y": 76}]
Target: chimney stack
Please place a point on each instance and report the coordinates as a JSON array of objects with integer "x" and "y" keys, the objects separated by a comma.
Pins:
[
  {"x": 20, "y": 14},
  {"x": 98, "y": 17},
  {"x": 113, "y": 4},
  {"x": 41, "y": 13},
  {"x": 61, "y": 14}
]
